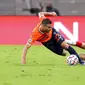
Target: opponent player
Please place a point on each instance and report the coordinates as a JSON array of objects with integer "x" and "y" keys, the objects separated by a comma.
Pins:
[
  {"x": 49, "y": 37},
  {"x": 76, "y": 43}
]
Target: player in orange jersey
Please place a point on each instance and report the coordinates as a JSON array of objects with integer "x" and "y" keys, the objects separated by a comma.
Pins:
[{"x": 49, "y": 37}]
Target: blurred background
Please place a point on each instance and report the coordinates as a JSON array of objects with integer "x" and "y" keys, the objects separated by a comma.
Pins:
[{"x": 32, "y": 7}]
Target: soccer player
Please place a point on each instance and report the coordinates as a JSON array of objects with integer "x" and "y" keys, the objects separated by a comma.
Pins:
[{"x": 49, "y": 37}]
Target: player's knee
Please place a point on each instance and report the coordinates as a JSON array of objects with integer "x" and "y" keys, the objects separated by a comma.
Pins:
[
  {"x": 64, "y": 45},
  {"x": 64, "y": 53}
]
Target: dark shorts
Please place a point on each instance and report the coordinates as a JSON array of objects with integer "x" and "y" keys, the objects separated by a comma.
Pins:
[{"x": 54, "y": 44}]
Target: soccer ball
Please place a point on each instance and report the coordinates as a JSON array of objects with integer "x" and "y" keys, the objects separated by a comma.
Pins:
[{"x": 72, "y": 60}]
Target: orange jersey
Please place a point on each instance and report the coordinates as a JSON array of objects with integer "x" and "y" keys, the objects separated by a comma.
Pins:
[{"x": 38, "y": 36}]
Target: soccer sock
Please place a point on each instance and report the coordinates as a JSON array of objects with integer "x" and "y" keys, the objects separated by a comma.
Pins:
[
  {"x": 72, "y": 51},
  {"x": 79, "y": 44}
]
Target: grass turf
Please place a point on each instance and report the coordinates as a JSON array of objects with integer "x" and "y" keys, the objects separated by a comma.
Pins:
[{"x": 42, "y": 68}]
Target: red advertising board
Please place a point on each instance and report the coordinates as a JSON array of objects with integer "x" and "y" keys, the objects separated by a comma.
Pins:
[{"x": 17, "y": 29}]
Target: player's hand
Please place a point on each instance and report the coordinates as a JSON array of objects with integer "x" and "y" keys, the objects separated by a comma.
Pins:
[
  {"x": 54, "y": 14},
  {"x": 23, "y": 61}
]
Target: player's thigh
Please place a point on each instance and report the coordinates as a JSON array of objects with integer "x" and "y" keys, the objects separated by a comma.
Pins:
[
  {"x": 59, "y": 49},
  {"x": 64, "y": 45},
  {"x": 82, "y": 56}
]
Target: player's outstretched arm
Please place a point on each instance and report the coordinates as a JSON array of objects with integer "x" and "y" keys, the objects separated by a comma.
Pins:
[
  {"x": 23, "y": 58},
  {"x": 42, "y": 14}
]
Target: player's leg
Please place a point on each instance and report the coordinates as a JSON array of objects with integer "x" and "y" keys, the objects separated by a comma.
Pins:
[
  {"x": 72, "y": 51},
  {"x": 76, "y": 43},
  {"x": 81, "y": 45},
  {"x": 82, "y": 56},
  {"x": 64, "y": 53},
  {"x": 61, "y": 41},
  {"x": 56, "y": 48}
]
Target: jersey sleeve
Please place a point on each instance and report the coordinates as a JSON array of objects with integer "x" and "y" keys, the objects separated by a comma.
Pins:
[{"x": 34, "y": 37}]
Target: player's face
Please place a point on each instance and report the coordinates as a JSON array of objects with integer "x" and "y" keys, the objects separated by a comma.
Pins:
[{"x": 47, "y": 27}]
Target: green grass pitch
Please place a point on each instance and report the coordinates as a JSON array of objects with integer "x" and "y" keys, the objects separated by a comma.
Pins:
[{"x": 42, "y": 68}]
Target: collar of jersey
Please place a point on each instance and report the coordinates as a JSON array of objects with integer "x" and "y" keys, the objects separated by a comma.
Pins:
[{"x": 40, "y": 31}]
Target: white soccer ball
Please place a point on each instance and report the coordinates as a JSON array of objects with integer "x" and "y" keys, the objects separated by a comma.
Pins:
[{"x": 72, "y": 60}]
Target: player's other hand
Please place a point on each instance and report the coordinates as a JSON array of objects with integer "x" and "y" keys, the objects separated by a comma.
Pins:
[{"x": 23, "y": 61}]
